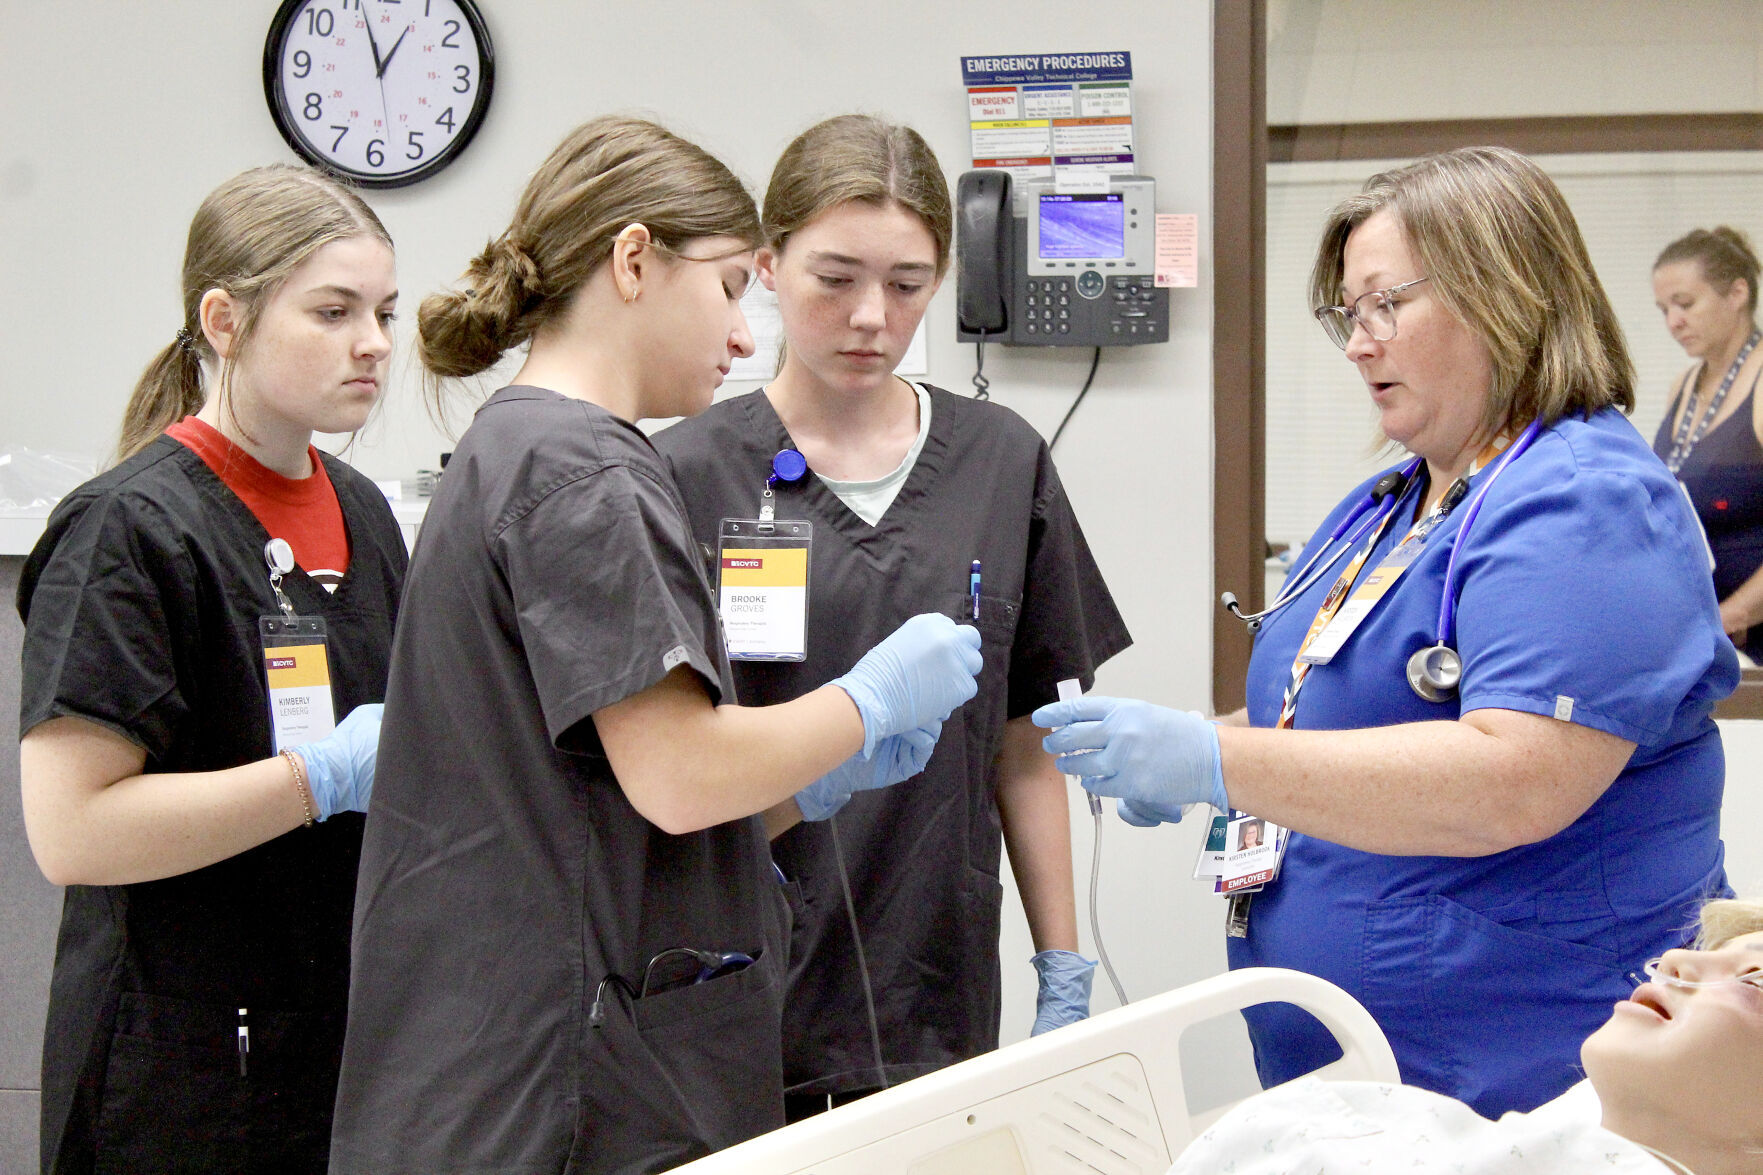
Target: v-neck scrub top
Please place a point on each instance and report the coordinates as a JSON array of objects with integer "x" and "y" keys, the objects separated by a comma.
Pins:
[
  {"x": 505, "y": 877},
  {"x": 1583, "y": 595},
  {"x": 141, "y": 603},
  {"x": 923, "y": 855}
]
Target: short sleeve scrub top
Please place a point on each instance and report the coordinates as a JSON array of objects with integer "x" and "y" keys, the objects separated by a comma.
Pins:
[
  {"x": 922, "y": 856},
  {"x": 1583, "y": 595},
  {"x": 507, "y": 885},
  {"x": 141, "y": 605}
]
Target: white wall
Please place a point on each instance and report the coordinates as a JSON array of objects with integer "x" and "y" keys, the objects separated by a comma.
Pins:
[
  {"x": 1392, "y": 60},
  {"x": 120, "y": 117}
]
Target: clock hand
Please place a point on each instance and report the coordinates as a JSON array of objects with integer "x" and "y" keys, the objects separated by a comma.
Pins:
[
  {"x": 367, "y": 22},
  {"x": 388, "y": 58}
]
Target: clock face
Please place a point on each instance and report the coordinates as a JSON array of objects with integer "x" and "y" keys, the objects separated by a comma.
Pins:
[{"x": 384, "y": 92}]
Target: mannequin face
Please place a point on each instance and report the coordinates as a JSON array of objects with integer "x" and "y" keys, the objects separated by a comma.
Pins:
[
  {"x": 1704, "y": 321},
  {"x": 1675, "y": 1062},
  {"x": 316, "y": 360},
  {"x": 852, "y": 285}
]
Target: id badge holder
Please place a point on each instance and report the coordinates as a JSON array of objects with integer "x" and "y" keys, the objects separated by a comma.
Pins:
[
  {"x": 296, "y": 663},
  {"x": 762, "y": 587}
]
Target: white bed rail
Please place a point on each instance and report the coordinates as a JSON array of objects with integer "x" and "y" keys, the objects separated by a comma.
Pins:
[{"x": 1104, "y": 1097}]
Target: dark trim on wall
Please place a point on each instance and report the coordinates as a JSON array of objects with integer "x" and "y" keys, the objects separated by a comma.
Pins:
[
  {"x": 1566, "y": 135},
  {"x": 1239, "y": 247}
]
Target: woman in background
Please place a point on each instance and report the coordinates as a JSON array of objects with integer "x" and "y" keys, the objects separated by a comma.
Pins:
[
  {"x": 1705, "y": 283},
  {"x": 196, "y": 1010},
  {"x": 568, "y": 945},
  {"x": 918, "y": 499}
]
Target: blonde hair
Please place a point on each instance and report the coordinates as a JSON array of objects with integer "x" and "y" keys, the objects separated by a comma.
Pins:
[
  {"x": 858, "y": 157},
  {"x": 1725, "y": 919},
  {"x": 246, "y": 238},
  {"x": 1724, "y": 253},
  {"x": 608, "y": 173},
  {"x": 1505, "y": 257}
]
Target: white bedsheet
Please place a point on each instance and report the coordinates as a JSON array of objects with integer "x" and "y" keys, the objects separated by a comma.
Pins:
[{"x": 1344, "y": 1126}]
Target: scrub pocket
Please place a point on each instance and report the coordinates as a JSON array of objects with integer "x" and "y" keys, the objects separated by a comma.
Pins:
[
  {"x": 684, "y": 1073},
  {"x": 1478, "y": 1009},
  {"x": 173, "y": 1099}
]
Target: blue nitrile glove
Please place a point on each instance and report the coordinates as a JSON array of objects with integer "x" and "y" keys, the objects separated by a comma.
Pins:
[
  {"x": 898, "y": 757},
  {"x": 918, "y": 674},
  {"x": 1138, "y": 818},
  {"x": 1065, "y": 989},
  {"x": 339, "y": 766},
  {"x": 1154, "y": 758}
]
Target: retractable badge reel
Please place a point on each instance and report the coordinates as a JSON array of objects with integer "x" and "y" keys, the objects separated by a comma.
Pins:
[
  {"x": 762, "y": 585},
  {"x": 296, "y": 662}
]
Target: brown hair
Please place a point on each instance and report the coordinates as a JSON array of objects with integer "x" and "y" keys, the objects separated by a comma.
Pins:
[
  {"x": 858, "y": 157},
  {"x": 246, "y": 238},
  {"x": 1724, "y": 253},
  {"x": 1505, "y": 257},
  {"x": 608, "y": 173}
]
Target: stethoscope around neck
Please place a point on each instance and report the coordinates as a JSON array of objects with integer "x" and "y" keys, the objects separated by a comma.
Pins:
[{"x": 1435, "y": 670}]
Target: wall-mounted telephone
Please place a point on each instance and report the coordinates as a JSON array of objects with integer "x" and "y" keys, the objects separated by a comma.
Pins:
[{"x": 1036, "y": 267}]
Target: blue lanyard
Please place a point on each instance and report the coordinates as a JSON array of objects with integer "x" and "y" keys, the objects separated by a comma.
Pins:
[{"x": 1447, "y": 626}]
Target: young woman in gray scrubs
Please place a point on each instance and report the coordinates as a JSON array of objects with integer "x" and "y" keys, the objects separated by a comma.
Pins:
[{"x": 569, "y": 934}]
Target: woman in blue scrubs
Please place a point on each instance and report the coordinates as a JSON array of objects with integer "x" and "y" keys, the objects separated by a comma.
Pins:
[{"x": 1482, "y": 870}]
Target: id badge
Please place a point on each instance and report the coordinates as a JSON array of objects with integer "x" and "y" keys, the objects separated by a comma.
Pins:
[
  {"x": 1242, "y": 853},
  {"x": 297, "y": 670},
  {"x": 762, "y": 588},
  {"x": 1383, "y": 577}
]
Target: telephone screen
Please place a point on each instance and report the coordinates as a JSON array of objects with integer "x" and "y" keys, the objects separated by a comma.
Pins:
[{"x": 1083, "y": 225}]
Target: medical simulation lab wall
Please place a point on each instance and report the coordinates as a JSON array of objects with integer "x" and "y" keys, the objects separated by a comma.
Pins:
[{"x": 120, "y": 116}]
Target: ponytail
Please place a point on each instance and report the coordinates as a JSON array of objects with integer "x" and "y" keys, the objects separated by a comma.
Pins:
[
  {"x": 464, "y": 332},
  {"x": 168, "y": 390},
  {"x": 608, "y": 173}
]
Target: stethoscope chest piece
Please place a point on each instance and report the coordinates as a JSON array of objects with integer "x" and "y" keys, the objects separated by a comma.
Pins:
[{"x": 1435, "y": 672}]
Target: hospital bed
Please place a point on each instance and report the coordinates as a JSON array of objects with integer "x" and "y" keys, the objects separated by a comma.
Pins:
[{"x": 1103, "y": 1097}]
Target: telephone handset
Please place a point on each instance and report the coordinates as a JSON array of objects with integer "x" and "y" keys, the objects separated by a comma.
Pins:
[
  {"x": 982, "y": 253},
  {"x": 1037, "y": 267}
]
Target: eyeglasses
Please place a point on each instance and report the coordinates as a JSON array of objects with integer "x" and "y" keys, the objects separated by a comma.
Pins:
[
  {"x": 1655, "y": 969},
  {"x": 1375, "y": 311}
]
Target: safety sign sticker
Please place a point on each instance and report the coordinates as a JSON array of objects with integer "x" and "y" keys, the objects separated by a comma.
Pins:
[{"x": 1058, "y": 115}]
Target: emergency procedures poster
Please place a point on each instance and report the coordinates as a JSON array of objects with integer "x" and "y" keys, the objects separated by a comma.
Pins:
[{"x": 1064, "y": 116}]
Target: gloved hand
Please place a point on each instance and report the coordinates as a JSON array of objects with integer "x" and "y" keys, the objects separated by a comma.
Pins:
[
  {"x": 339, "y": 766},
  {"x": 1155, "y": 759},
  {"x": 918, "y": 674},
  {"x": 1064, "y": 997},
  {"x": 897, "y": 758}
]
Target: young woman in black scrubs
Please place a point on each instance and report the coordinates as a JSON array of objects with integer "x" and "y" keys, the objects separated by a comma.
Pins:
[
  {"x": 908, "y": 487},
  {"x": 569, "y": 941},
  {"x": 196, "y": 1010}
]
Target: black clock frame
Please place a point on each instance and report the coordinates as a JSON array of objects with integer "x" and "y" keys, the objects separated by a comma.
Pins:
[{"x": 282, "y": 112}]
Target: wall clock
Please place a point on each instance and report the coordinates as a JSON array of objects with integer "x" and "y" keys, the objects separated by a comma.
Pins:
[{"x": 381, "y": 92}]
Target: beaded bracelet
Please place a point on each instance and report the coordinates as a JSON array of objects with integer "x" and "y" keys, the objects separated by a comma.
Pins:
[{"x": 300, "y": 785}]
